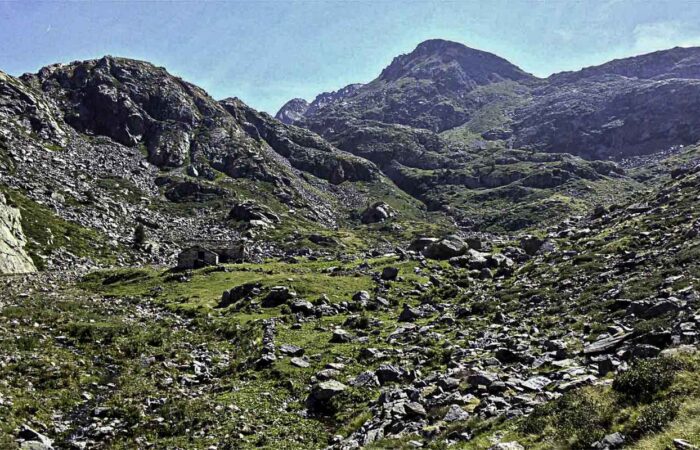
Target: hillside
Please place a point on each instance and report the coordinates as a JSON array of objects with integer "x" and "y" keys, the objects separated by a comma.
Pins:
[
  {"x": 98, "y": 147},
  {"x": 516, "y": 341}
]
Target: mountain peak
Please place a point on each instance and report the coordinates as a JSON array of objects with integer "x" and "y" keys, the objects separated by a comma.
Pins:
[
  {"x": 436, "y": 45},
  {"x": 433, "y": 57}
]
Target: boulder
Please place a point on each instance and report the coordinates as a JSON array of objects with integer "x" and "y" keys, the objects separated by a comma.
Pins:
[
  {"x": 507, "y": 446},
  {"x": 361, "y": 296},
  {"x": 341, "y": 336},
  {"x": 303, "y": 307},
  {"x": 536, "y": 383},
  {"x": 455, "y": 413},
  {"x": 415, "y": 409},
  {"x": 299, "y": 362},
  {"x": 366, "y": 379},
  {"x": 611, "y": 441},
  {"x": 481, "y": 378},
  {"x": 386, "y": 373},
  {"x": 645, "y": 351},
  {"x": 377, "y": 212},
  {"x": 277, "y": 296},
  {"x": 605, "y": 344},
  {"x": 291, "y": 350},
  {"x": 409, "y": 314},
  {"x": 251, "y": 212},
  {"x": 507, "y": 356},
  {"x": 445, "y": 248},
  {"x": 322, "y": 392},
  {"x": 390, "y": 273},
  {"x": 661, "y": 308},
  {"x": 420, "y": 243},
  {"x": 33, "y": 440},
  {"x": 237, "y": 293},
  {"x": 531, "y": 244}
]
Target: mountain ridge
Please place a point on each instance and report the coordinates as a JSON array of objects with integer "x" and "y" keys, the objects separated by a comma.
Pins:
[
  {"x": 596, "y": 93},
  {"x": 146, "y": 143}
]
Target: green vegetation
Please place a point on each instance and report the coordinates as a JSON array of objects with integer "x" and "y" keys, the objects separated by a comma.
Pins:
[
  {"x": 47, "y": 233},
  {"x": 499, "y": 100},
  {"x": 582, "y": 417}
]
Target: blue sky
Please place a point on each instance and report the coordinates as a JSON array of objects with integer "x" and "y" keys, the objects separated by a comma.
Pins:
[{"x": 267, "y": 52}]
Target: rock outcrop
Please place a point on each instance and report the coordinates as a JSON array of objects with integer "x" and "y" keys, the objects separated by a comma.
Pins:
[{"x": 13, "y": 256}]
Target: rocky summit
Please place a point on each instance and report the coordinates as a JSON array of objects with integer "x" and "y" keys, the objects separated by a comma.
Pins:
[{"x": 456, "y": 254}]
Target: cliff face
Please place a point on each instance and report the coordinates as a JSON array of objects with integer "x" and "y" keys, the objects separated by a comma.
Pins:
[{"x": 13, "y": 258}]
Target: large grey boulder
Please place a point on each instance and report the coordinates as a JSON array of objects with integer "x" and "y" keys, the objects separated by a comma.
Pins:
[
  {"x": 249, "y": 211},
  {"x": 13, "y": 257},
  {"x": 445, "y": 248},
  {"x": 33, "y": 440},
  {"x": 507, "y": 446},
  {"x": 322, "y": 393}
]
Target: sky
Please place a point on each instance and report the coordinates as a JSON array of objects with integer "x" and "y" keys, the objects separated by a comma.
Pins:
[{"x": 267, "y": 52}]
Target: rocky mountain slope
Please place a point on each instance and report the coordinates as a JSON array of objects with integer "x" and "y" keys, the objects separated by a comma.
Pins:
[
  {"x": 113, "y": 143},
  {"x": 427, "y": 88},
  {"x": 446, "y": 106},
  {"x": 625, "y": 107},
  {"x": 581, "y": 336}
]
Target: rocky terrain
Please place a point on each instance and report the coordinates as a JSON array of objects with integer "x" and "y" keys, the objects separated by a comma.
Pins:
[
  {"x": 622, "y": 108},
  {"x": 442, "y": 104},
  {"x": 445, "y": 257},
  {"x": 113, "y": 143}
]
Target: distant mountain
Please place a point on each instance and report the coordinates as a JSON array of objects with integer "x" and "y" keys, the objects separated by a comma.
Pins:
[
  {"x": 425, "y": 89},
  {"x": 292, "y": 111},
  {"x": 295, "y": 109},
  {"x": 623, "y": 108}
]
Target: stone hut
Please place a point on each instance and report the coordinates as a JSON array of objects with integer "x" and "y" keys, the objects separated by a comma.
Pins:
[{"x": 197, "y": 257}]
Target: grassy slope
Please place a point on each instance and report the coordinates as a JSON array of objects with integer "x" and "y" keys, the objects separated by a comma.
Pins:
[
  {"x": 75, "y": 335},
  {"x": 46, "y": 233},
  {"x": 250, "y": 408}
]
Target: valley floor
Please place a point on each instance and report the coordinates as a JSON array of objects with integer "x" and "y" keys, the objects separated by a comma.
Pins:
[{"x": 151, "y": 358}]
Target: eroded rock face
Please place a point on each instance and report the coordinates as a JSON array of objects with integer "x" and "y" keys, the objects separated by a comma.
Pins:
[
  {"x": 176, "y": 123},
  {"x": 13, "y": 257}
]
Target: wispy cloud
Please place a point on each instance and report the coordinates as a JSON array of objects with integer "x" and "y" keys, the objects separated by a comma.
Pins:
[{"x": 653, "y": 36}]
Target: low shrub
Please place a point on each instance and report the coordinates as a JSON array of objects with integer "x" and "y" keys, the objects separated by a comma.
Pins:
[
  {"x": 653, "y": 418},
  {"x": 578, "y": 419},
  {"x": 645, "y": 378}
]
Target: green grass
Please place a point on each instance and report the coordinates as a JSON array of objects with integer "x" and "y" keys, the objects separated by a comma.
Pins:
[{"x": 46, "y": 233}]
